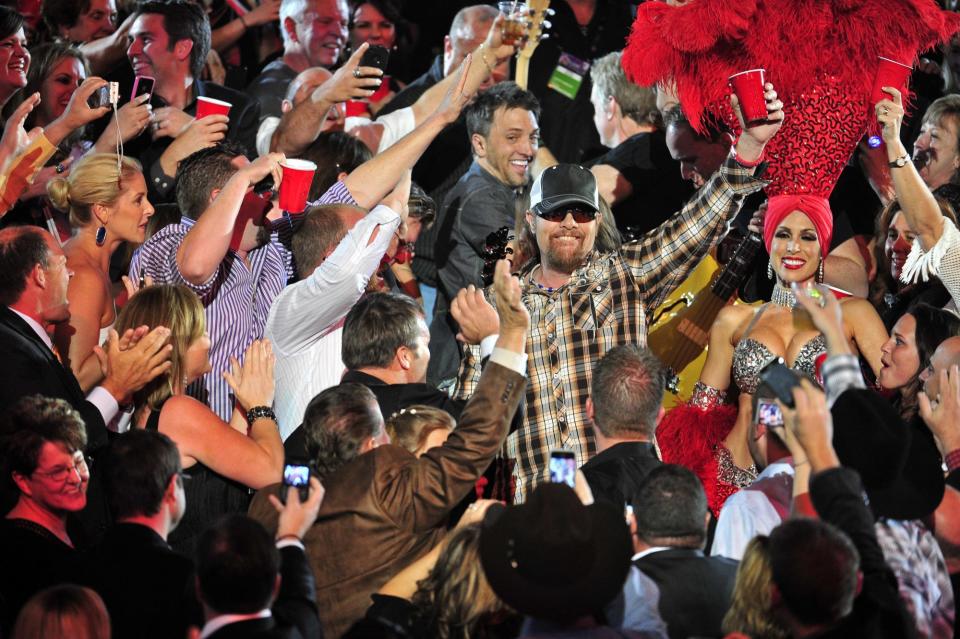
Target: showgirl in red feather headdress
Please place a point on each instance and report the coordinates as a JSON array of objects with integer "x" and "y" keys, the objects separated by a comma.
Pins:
[{"x": 822, "y": 57}]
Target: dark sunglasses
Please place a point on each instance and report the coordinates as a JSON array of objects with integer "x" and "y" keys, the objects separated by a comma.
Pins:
[{"x": 559, "y": 214}]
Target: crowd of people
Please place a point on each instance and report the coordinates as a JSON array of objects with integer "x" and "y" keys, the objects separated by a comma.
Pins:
[{"x": 227, "y": 416}]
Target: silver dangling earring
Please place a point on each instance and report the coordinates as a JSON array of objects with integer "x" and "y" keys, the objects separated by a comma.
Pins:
[
  {"x": 101, "y": 236},
  {"x": 770, "y": 269},
  {"x": 820, "y": 272}
]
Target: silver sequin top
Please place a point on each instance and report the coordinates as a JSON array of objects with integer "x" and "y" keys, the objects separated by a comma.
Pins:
[{"x": 750, "y": 356}]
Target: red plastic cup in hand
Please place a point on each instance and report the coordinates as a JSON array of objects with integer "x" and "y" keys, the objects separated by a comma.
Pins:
[
  {"x": 890, "y": 73},
  {"x": 356, "y": 109},
  {"x": 209, "y": 106},
  {"x": 748, "y": 86},
  {"x": 295, "y": 185}
]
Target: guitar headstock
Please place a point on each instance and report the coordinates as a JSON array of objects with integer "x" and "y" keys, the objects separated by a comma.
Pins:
[{"x": 538, "y": 13}]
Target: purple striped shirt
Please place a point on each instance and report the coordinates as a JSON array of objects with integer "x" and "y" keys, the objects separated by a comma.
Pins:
[{"x": 236, "y": 298}]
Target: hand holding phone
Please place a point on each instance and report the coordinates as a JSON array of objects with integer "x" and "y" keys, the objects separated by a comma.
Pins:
[
  {"x": 777, "y": 380},
  {"x": 375, "y": 56}
]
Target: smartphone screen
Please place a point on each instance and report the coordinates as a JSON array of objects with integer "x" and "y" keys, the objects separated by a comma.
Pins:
[
  {"x": 296, "y": 475},
  {"x": 563, "y": 467},
  {"x": 769, "y": 414},
  {"x": 142, "y": 85}
]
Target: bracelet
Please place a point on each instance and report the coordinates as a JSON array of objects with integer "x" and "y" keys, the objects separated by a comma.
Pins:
[
  {"x": 746, "y": 163},
  {"x": 483, "y": 56},
  {"x": 261, "y": 412},
  {"x": 952, "y": 460}
]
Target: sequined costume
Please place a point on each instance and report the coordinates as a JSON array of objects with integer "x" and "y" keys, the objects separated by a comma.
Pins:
[{"x": 692, "y": 435}]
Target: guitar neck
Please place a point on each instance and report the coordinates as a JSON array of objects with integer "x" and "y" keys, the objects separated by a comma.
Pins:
[
  {"x": 523, "y": 72},
  {"x": 736, "y": 269}
]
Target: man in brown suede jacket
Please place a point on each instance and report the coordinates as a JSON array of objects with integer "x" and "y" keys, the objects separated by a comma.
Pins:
[{"x": 383, "y": 507}]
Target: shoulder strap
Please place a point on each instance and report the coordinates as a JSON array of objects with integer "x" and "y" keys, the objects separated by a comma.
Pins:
[{"x": 153, "y": 419}]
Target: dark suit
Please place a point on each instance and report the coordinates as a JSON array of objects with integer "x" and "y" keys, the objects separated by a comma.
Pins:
[
  {"x": 390, "y": 397},
  {"x": 695, "y": 591},
  {"x": 30, "y": 367},
  {"x": 294, "y": 612},
  {"x": 386, "y": 508},
  {"x": 615, "y": 474},
  {"x": 147, "y": 587}
]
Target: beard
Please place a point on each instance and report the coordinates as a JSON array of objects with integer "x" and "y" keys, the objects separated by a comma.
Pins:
[{"x": 566, "y": 257}]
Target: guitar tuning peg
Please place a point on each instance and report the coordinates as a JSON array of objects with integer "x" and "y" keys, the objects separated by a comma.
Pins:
[
  {"x": 546, "y": 24},
  {"x": 543, "y": 36},
  {"x": 551, "y": 12}
]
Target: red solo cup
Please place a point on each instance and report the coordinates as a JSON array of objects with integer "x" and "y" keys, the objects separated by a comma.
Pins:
[
  {"x": 890, "y": 73},
  {"x": 356, "y": 108},
  {"x": 295, "y": 185},
  {"x": 748, "y": 86},
  {"x": 209, "y": 106}
]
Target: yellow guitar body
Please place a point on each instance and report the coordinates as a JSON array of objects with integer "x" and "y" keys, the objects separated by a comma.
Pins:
[{"x": 672, "y": 332}]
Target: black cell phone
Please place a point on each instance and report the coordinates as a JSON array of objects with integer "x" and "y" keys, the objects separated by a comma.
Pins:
[
  {"x": 99, "y": 98},
  {"x": 563, "y": 467},
  {"x": 376, "y": 56},
  {"x": 777, "y": 380},
  {"x": 142, "y": 85},
  {"x": 295, "y": 475}
]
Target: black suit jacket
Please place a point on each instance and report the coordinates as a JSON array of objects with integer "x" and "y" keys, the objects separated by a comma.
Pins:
[
  {"x": 147, "y": 587},
  {"x": 294, "y": 611},
  {"x": 695, "y": 591},
  {"x": 615, "y": 474},
  {"x": 30, "y": 367},
  {"x": 391, "y": 397}
]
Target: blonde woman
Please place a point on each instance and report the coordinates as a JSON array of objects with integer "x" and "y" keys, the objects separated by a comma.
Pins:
[
  {"x": 750, "y": 609},
  {"x": 419, "y": 428},
  {"x": 63, "y": 611},
  {"x": 222, "y": 460},
  {"x": 106, "y": 198}
]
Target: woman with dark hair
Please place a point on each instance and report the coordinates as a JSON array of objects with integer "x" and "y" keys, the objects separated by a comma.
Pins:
[
  {"x": 892, "y": 241},
  {"x": 56, "y": 71},
  {"x": 379, "y": 23},
  {"x": 907, "y": 352},
  {"x": 14, "y": 56},
  {"x": 444, "y": 594}
]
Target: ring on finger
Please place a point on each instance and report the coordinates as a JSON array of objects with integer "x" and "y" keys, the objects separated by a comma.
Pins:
[
  {"x": 356, "y": 73},
  {"x": 59, "y": 168}
]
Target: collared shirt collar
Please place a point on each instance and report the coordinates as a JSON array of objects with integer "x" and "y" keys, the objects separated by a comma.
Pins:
[
  {"x": 220, "y": 621},
  {"x": 649, "y": 551},
  {"x": 37, "y": 328}
]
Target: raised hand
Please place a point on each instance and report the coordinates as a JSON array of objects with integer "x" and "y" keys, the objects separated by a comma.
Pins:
[
  {"x": 296, "y": 517},
  {"x": 455, "y": 99},
  {"x": 890, "y": 115},
  {"x": 346, "y": 85},
  {"x": 199, "y": 134},
  {"x": 15, "y": 137},
  {"x": 266, "y": 12},
  {"x": 127, "y": 371},
  {"x": 475, "y": 315},
  {"x": 513, "y": 314},
  {"x": 133, "y": 118},
  {"x": 252, "y": 383},
  {"x": 171, "y": 121},
  {"x": 755, "y": 137},
  {"x": 263, "y": 166},
  {"x": 941, "y": 414}
]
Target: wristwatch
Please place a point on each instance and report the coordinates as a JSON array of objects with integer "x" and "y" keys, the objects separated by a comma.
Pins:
[{"x": 900, "y": 162}]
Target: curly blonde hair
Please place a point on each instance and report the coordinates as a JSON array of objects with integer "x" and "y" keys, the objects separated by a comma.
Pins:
[{"x": 750, "y": 609}]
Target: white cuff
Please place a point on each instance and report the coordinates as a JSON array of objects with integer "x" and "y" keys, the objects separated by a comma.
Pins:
[
  {"x": 517, "y": 362},
  {"x": 925, "y": 265},
  {"x": 290, "y": 541},
  {"x": 104, "y": 402},
  {"x": 487, "y": 345}
]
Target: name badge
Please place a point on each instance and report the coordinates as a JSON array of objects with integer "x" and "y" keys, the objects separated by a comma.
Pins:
[{"x": 568, "y": 76}]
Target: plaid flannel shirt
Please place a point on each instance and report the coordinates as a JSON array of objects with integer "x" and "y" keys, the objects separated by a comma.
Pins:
[{"x": 603, "y": 305}]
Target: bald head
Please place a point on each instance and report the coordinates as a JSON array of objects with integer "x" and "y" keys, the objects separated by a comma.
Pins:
[
  {"x": 306, "y": 81},
  {"x": 467, "y": 31},
  {"x": 946, "y": 355}
]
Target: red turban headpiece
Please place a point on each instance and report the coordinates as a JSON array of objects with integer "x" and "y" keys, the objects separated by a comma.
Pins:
[{"x": 814, "y": 207}]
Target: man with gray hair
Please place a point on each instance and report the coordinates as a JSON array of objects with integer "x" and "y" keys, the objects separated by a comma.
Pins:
[
  {"x": 314, "y": 35},
  {"x": 637, "y": 176},
  {"x": 624, "y": 409}
]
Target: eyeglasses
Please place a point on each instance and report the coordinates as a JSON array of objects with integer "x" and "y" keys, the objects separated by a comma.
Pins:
[
  {"x": 559, "y": 214},
  {"x": 62, "y": 473}
]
